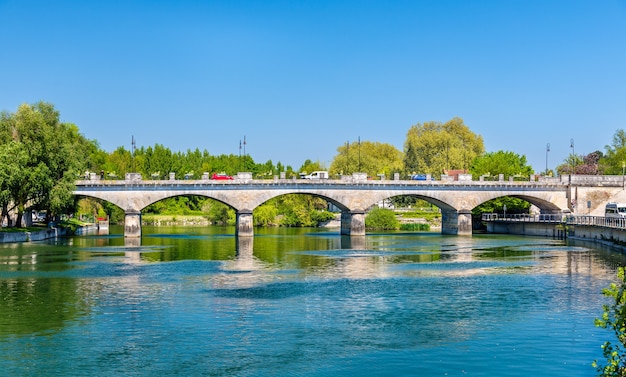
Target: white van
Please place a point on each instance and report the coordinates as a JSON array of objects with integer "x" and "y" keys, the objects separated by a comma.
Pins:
[
  {"x": 317, "y": 175},
  {"x": 613, "y": 209}
]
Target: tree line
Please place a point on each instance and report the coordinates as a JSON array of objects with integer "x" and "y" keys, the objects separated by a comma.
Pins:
[{"x": 41, "y": 158}]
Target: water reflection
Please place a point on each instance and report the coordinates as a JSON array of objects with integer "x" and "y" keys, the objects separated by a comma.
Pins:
[
  {"x": 353, "y": 242},
  {"x": 133, "y": 256},
  {"x": 245, "y": 246}
]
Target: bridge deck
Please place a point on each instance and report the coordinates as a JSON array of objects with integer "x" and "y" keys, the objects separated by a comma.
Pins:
[{"x": 288, "y": 183}]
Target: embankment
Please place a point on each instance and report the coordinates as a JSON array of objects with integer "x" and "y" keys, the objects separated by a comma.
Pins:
[{"x": 9, "y": 237}]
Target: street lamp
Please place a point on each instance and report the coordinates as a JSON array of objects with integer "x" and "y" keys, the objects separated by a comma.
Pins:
[
  {"x": 571, "y": 144},
  {"x": 623, "y": 182},
  {"x": 132, "y": 156},
  {"x": 359, "y": 154},
  {"x": 347, "y": 156},
  {"x": 547, "y": 150}
]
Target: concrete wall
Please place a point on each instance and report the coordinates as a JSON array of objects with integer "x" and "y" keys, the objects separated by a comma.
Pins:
[
  {"x": 526, "y": 229},
  {"x": 9, "y": 237},
  {"x": 597, "y": 234}
]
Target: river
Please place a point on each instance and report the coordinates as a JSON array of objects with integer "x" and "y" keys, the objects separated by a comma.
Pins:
[{"x": 196, "y": 301}]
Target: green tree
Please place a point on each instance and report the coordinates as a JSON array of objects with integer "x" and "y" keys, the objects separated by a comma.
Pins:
[
  {"x": 513, "y": 206},
  {"x": 614, "y": 318},
  {"x": 293, "y": 210},
  {"x": 511, "y": 165},
  {"x": 591, "y": 164},
  {"x": 434, "y": 147},
  {"x": 56, "y": 153},
  {"x": 13, "y": 158},
  {"x": 309, "y": 166},
  {"x": 265, "y": 215},
  {"x": 219, "y": 213},
  {"x": 368, "y": 157},
  {"x": 614, "y": 159},
  {"x": 501, "y": 162}
]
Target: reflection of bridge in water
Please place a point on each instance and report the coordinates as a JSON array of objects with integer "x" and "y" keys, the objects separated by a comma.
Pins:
[{"x": 353, "y": 197}]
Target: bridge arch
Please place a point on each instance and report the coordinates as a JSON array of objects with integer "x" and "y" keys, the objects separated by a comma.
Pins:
[{"x": 545, "y": 205}]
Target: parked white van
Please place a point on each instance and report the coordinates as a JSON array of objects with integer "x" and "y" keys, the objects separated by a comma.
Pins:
[
  {"x": 613, "y": 209},
  {"x": 317, "y": 175}
]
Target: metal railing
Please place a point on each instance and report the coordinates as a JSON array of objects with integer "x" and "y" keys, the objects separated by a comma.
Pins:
[
  {"x": 606, "y": 222},
  {"x": 541, "y": 218},
  {"x": 599, "y": 221}
]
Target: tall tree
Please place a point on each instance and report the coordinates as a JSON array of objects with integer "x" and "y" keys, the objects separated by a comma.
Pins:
[
  {"x": 615, "y": 157},
  {"x": 591, "y": 164},
  {"x": 13, "y": 159},
  {"x": 433, "y": 147},
  {"x": 309, "y": 166},
  {"x": 368, "y": 157},
  {"x": 501, "y": 162},
  {"x": 56, "y": 153}
]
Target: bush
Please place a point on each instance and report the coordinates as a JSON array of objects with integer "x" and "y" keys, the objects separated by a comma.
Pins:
[
  {"x": 321, "y": 216},
  {"x": 381, "y": 218},
  {"x": 614, "y": 318}
]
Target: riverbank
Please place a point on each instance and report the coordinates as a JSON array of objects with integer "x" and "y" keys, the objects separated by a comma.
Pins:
[{"x": 30, "y": 236}]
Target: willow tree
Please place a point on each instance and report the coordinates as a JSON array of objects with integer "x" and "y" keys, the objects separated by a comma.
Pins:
[
  {"x": 434, "y": 147},
  {"x": 368, "y": 157},
  {"x": 52, "y": 154}
]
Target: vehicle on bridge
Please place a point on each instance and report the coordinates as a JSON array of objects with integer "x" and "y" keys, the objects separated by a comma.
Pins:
[
  {"x": 421, "y": 177},
  {"x": 221, "y": 176},
  {"x": 316, "y": 175},
  {"x": 614, "y": 209}
]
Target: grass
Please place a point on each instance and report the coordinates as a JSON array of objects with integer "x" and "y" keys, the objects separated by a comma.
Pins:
[
  {"x": 415, "y": 227},
  {"x": 24, "y": 229},
  {"x": 427, "y": 215}
]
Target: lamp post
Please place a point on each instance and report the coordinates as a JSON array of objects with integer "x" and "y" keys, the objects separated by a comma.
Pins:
[
  {"x": 504, "y": 210},
  {"x": 623, "y": 182},
  {"x": 132, "y": 156},
  {"x": 571, "y": 144},
  {"x": 347, "y": 156},
  {"x": 547, "y": 150},
  {"x": 359, "y": 154}
]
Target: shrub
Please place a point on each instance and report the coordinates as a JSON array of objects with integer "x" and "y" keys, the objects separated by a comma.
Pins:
[
  {"x": 381, "y": 218},
  {"x": 614, "y": 318}
]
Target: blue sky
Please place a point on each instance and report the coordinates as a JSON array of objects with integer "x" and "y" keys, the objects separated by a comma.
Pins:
[{"x": 300, "y": 78}]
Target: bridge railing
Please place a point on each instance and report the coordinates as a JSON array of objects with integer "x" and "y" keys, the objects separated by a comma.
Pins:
[
  {"x": 606, "y": 222},
  {"x": 600, "y": 221},
  {"x": 322, "y": 182},
  {"x": 242, "y": 177},
  {"x": 541, "y": 218}
]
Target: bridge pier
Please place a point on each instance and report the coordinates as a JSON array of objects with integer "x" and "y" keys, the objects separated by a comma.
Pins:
[
  {"x": 456, "y": 222},
  {"x": 132, "y": 224},
  {"x": 353, "y": 223},
  {"x": 245, "y": 224}
]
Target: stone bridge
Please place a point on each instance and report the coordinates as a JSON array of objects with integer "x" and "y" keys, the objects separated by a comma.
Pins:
[{"x": 354, "y": 197}]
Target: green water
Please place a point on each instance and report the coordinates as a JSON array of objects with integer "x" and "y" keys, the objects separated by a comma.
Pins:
[{"x": 302, "y": 302}]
